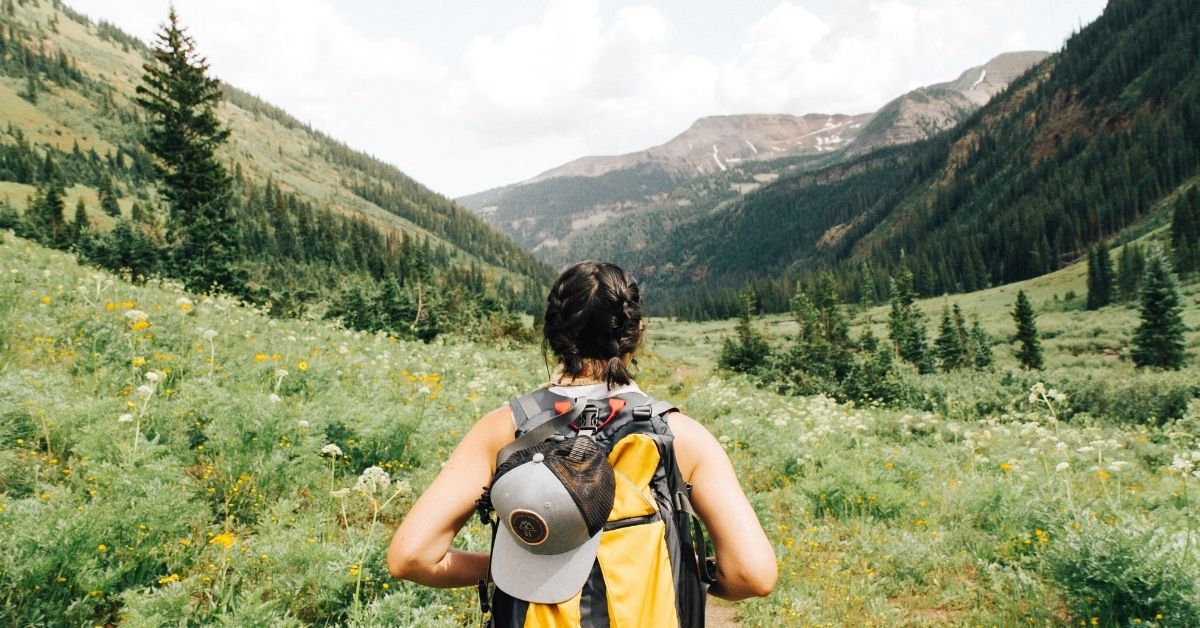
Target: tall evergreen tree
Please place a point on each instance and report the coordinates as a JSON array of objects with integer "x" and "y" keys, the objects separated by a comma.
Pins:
[
  {"x": 1130, "y": 268},
  {"x": 952, "y": 340},
  {"x": 108, "y": 198},
  {"x": 906, "y": 323},
  {"x": 1030, "y": 353},
  {"x": 749, "y": 351},
  {"x": 980, "y": 346},
  {"x": 1158, "y": 340},
  {"x": 1101, "y": 279},
  {"x": 1185, "y": 231},
  {"x": 184, "y": 134},
  {"x": 79, "y": 226},
  {"x": 47, "y": 212}
]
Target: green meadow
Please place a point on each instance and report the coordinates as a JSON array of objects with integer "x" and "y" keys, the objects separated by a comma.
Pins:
[{"x": 165, "y": 459}]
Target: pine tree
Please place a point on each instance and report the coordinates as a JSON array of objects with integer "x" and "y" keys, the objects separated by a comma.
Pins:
[
  {"x": 1158, "y": 340},
  {"x": 1030, "y": 353},
  {"x": 183, "y": 135},
  {"x": 981, "y": 346},
  {"x": 749, "y": 351},
  {"x": 108, "y": 198},
  {"x": 952, "y": 341},
  {"x": 906, "y": 323},
  {"x": 80, "y": 225},
  {"x": 1101, "y": 280},
  {"x": 1185, "y": 231},
  {"x": 47, "y": 212}
]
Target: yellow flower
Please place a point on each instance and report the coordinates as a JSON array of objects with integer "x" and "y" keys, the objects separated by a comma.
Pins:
[
  {"x": 128, "y": 304},
  {"x": 260, "y": 357},
  {"x": 138, "y": 361},
  {"x": 139, "y": 325},
  {"x": 275, "y": 357},
  {"x": 1004, "y": 466},
  {"x": 225, "y": 539},
  {"x": 169, "y": 579},
  {"x": 1103, "y": 475},
  {"x": 101, "y": 548},
  {"x": 45, "y": 299},
  {"x": 303, "y": 366},
  {"x": 110, "y": 306}
]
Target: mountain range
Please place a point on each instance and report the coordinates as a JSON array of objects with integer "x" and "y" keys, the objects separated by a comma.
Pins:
[{"x": 734, "y": 153}]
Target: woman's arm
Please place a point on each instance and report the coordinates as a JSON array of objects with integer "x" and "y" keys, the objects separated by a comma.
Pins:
[
  {"x": 420, "y": 550},
  {"x": 745, "y": 559}
]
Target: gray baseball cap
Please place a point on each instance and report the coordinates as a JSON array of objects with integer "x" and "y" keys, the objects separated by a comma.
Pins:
[{"x": 552, "y": 501}]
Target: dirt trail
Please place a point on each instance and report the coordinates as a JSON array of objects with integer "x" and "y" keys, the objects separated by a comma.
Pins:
[{"x": 720, "y": 614}]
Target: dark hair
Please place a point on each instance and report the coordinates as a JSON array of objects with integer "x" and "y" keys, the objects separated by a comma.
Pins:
[{"x": 593, "y": 312}]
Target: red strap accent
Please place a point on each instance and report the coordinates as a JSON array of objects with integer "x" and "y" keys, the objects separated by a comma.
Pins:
[{"x": 562, "y": 407}]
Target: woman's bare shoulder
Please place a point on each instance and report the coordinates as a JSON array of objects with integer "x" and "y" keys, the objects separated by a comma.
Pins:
[{"x": 693, "y": 442}]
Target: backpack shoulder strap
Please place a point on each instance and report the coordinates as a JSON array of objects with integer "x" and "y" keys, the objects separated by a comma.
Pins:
[{"x": 544, "y": 430}]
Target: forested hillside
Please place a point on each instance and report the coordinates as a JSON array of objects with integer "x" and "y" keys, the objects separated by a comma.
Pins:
[
  {"x": 1079, "y": 149},
  {"x": 321, "y": 225}
]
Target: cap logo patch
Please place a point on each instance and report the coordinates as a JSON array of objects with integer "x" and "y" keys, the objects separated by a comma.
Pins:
[{"x": 529, "y": 526}]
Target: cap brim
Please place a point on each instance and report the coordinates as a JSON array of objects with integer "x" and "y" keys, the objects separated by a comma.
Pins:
[{"x": 544, "y": 579}]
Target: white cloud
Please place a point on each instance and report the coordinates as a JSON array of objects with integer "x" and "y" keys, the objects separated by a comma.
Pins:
[{"x": 579, "y": 80}]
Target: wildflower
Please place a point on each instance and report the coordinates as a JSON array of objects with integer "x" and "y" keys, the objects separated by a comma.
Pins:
[
  {"x": 145, "y": 390},
  {"x": 224, "y": 539},
  {"x": 152, "y": 376},
  {"x": 139, "y": 325},
  {"x": 1103, "y": 475},
  {"x": 281, "y": 373},
  {"x": 331, "y": 450},
  {"x": 45, "y": 299},
  {"x": 275, "y": 398},
  {"x": 125, "y": 418},
  {"x": 1006, "y": 466},
  {"x": 343, "y": 349},
  {"x": 260, "y": 357},
  {"x": 340, "y": 493},
  {"x": 136, "y": 316},
  {"x": 209, "y": 334},
  {"x": 303, "y": 366},
  {"x": 138, "y": 361},
  {"x": 1182, "y": 464},
  {"x": 373, "y": 478},
  {"x": 185, "y": 304},
  {"x": 101, "y": 548},
  {"x": 1062, "y": 466},
  {"x": 1116, "y": 465},
  {"x": 302, "y": 423},
  {"x": 169, "y": 579}
]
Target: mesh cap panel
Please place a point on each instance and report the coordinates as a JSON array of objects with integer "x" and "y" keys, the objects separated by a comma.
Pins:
[{"x": 583, "y": 468}]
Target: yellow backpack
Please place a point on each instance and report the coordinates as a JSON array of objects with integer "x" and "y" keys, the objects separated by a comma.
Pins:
[{"x": 650, "y": 568}]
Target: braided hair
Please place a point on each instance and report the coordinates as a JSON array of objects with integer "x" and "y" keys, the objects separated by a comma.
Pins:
[{"x": 593, "y": 314}]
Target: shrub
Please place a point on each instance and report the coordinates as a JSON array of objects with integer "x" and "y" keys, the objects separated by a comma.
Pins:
[{"x": 1126, "y": 571}]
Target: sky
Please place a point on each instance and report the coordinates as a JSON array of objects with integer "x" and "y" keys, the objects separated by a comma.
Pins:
[{"x": 466, "y": 95}]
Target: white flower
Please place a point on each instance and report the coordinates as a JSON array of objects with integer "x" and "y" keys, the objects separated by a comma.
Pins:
[
  {"x": 331, "y": 450},
  {"x": 125, "y": 418},
  {"x": 151, "y": 376},
  {"x": 1062, "y": 466},
  {"x": 209, "y": 334},
  {"x": 275, "y": 398},
  {"x": 1117, "y": 465},
  {"x": 281, "y": 373},
  {"x": 340, "y": 493},
  {"x": 181, "y": 301},
  {"x": 1056, "y": 395},
  {"x": 1182, "y": 464},
  {"x": 145, "y": 390},
  {"x": 372, "y": 479},
  {"x": 1086, "y": 449},
  {"x": 302, "y": 423},
  {"x": 136, "y": 315},
  {"x": 1060, "y": 446},
  {"x": 343, "y": 349}
]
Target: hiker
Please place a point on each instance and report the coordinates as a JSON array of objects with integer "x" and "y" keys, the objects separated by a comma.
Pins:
[{"x": 586, "y": 439}]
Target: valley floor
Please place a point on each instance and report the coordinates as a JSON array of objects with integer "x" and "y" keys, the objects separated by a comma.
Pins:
[{"x": 161, "y": 461}]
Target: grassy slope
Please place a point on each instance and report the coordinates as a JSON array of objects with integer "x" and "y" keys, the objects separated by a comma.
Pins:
[
  {"x": 265, "y": 147},
  {"x": 877, "y": 516}
]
